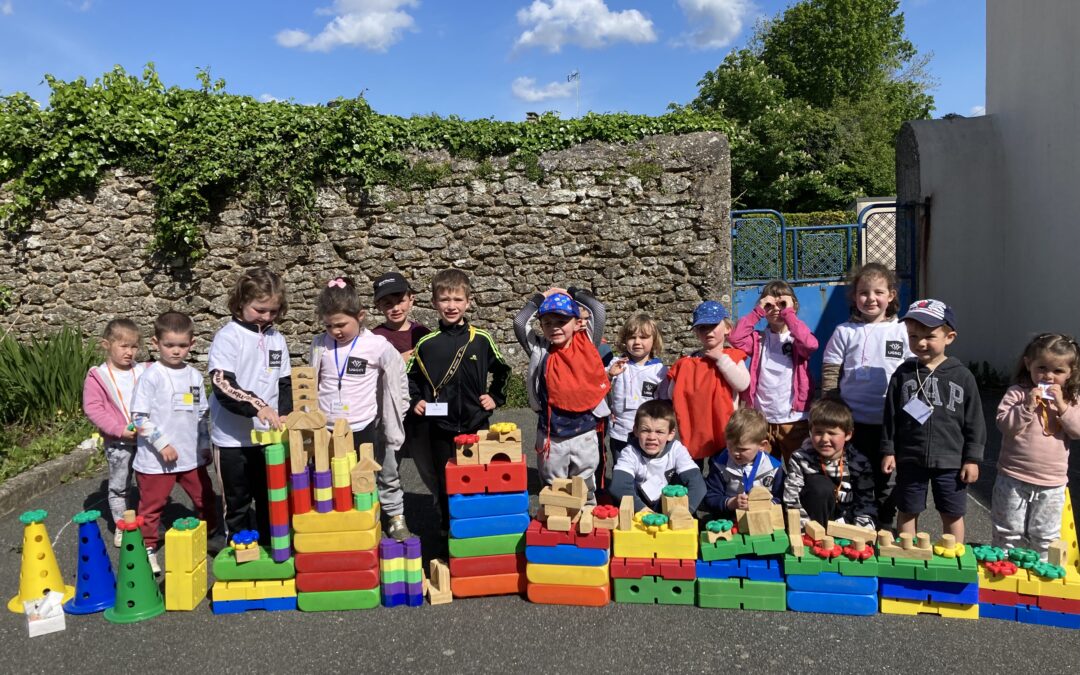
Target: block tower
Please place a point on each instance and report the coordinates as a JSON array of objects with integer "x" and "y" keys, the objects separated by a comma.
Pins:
[
  {"x": 487, "y": 482},
  {"x": 185, "y": 564},
  {"x": 831, "y": 570},
  {"x": 401, "y": 572},
  {"x": 567, "y": 547},
  {"x": 654, "y": 553}
]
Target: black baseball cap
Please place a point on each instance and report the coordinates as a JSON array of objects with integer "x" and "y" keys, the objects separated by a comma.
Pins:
[{"x": 390, "y": 283}]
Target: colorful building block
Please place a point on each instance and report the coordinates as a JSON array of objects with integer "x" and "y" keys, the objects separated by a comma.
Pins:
[
  {"x": 480, "y": 505},
  {"x": 651, "y": 590},
  {"x": 239, "y": 606},
  {"x": 337, "y": 561},
  {"x": 935, "y": 591},
  {"x": 489, "y": 526},
  {"x": 478, "y": 566},
  {"x": 185, "y": 546},
  {"x": 351, "y": 580},
  {"x": 636, "y": 568},
  {"x": 335, "y": 521},
  {"x": 640, "y": 542},
  {"x": 737, "y": 593},
  {"x": 329, "y": 601},
  {"x": 833, "y": 582},
  {"x": 324, "y": 542},
  {"x": 914, "y": 607},
  {"x": 580, "y": 596},
  {"x": 538, "y": 535},
  {"x": 493, "y": 584},
  {"x": 1043, "y": 617},
  {"x": 565, "y": 554},
  {"x": 832, "y": 603},
  {"x": 225, "y": 567},
  {"x": 486, "y": 546},
  {"x": 497, "y": 477},
  {"x": 755, "y": 569},
  {"x": 567, "y": 575},
  {"x": 185, "y": 590}
]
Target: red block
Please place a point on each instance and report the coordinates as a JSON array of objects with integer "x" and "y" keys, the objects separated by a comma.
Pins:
[
  {"x": 337, "y": 561},
  {"x": 538, "y": 535},
  {"x": 667, "y": 568},
  {"x": 275, "y": 476},
  {"x": 498, "y": 476},
  {"x": 496, "y": 584},
  {"x": 506, "y": 476},
  {"x": 579, "y": 596},
  {"x": 1005, "y": 598},
  {"x": 279, "y": 512},
  {"x": 1059, "y": 605},
  {"x": 343, "y": 500},
  {"x": 353, "y": 580},
  {"x": 485, "y": 565},
  {"x": 300, "y": 500}
]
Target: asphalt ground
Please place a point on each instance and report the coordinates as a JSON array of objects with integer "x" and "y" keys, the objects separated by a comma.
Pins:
[{"x": 509, "y": 634}]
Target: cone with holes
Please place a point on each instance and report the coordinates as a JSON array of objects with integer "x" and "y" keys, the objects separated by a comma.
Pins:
[
  {"x": 137, "y": 594},
  {"x": 95, "y": 589},
  {"x": 40, "y": 573}
]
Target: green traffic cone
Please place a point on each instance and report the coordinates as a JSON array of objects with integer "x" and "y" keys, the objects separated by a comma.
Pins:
[{"x": 138, "y": 596}]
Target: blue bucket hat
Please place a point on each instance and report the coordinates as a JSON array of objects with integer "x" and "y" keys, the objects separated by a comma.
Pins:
[
  {"x": 709, "y": 313},
  {"x": 559, "y": 303}
]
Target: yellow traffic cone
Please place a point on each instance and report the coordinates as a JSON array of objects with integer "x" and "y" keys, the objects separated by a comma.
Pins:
[{"x": 40, "y": 573}]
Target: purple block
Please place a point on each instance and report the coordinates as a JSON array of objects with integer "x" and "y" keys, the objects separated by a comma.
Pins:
[
  {"x": 415, "y": 588},
  {"x": 396, "y": 588},
  {"x": 300, "y": 481},
  {"x": 279, "y": 530},
  {"x": 281, "y": 554},
  {"x": 324, "y": 507},
  {"x": 412, "y": 547},
  {"x": 390, "y": 549},
  {"x": 324, "y": 479}
]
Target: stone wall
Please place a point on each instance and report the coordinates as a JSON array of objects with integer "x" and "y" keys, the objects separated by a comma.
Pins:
[{"x": 644, "y": 225}]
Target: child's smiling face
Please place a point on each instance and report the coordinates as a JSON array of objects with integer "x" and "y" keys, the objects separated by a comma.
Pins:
[{"x": 829, "y": 442}]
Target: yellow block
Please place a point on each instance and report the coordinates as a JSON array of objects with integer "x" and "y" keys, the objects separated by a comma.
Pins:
[
  {"x": 392, "y": 564},
  {"x": 913, "y": 607},
  {"x": 414, "y": 564},
  {"x": 185, "y": 549},
  {"x": 268, "y": 437},
  {"x": 324, "y": 494},
  {"x": 327, "y": 542},
  {"x": 185, "y": 590},
  {"x": 231, "y": 590},
  {"x": 1068, "y": 532},
  {"x": 568, "y": 575},
  {"x": 638, "y": 543},
  {"x": 1008, "y": 584},
  {"x": 336, "y": 521},
  {"x": 254, "y": 590},
  {"x": 1067, "y": 588}
]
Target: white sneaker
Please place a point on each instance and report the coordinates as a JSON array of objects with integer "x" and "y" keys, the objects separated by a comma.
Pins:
[
  {"x": 151, "y": 555},
  {"x": 118, "y": 537}
]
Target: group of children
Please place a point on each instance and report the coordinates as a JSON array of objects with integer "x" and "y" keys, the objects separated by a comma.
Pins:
[{"x": 892, "y": 402}]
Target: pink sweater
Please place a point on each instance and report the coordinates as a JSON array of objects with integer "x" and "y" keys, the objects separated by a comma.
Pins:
[
  {"x": 744, "y": 337},
  {"x": 102, "y": 410},
  {"x": 1026, "y": 453}
]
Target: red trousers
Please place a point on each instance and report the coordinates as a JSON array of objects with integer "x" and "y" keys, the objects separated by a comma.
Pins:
[{"x": 154, "y": 491}]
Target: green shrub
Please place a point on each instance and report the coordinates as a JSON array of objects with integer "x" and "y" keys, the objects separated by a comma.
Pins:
[
  {"x": 41, "y": 381},
  {"x": 25, "y": 446},
  {"x": 820, "y": 218},
  {"x": 516, "y": 394}
]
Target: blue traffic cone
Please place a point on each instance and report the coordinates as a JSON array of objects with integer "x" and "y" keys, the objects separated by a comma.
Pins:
[{"x": 95, "y": 589}]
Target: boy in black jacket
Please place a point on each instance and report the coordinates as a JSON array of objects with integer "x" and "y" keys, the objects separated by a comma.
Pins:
[
  {"x": 934, "y": 430},
  {"x": 448, "y": 378}
]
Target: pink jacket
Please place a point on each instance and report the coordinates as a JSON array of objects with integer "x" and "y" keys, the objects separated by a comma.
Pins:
[
  {"x": 744, "y": 337},
  {"x": 101, "y": 409}
]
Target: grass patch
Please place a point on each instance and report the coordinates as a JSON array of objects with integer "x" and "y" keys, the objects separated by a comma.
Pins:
[{"x": 24, "y": 446}]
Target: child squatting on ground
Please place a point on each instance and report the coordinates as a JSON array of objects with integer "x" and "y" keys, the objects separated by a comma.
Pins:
[{"x": 742, "y": 466}]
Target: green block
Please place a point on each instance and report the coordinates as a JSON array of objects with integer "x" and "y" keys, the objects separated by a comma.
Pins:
[
  {"x": 395, "y": 576},
  {"x": 724, "y": 550},
  {"x": 281, "y": 542},
  {"x": 654, "y": 591},
  {"x": 858, "y": 568},
  {"x": 742, "y": 594},
  {"x": 275, "y": 454},
  {"x": 770, "y": 544},
  {"x": 365, "y": 501},
  {"x": 498, "y": 544},
  {"x": 278, "y": 494},
  {"x": 328, "y": 601},
  {"x": 808, "y": 565},
  {"x": 226, "y": 568},
  {"x": 898, "y": 568}
]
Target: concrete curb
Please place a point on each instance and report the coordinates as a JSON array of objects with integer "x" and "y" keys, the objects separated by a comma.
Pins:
[{"x": 17, "y": 491}]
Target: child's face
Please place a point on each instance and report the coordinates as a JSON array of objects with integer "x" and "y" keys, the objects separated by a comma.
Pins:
[
  {"x": 261, "y": 311},
  {"x": 343, "y": 327},
  {"x": 396, "y": 307},
  {"x": 872, "y": 297},
  {"x": 928, "y": 344},
  {"x": 653, "y": 435},
  {"x": 712, "y": 336},
  {"x": 558, "y": 329},
  {"x": 773, "y": 305},
  {"x": 639, "y": 345},
  {"x": 745, "y": 450},
  {"x": 829, "y": 442},
  {"x": 173, "y": 348},
  {"x": 583, "y": 321},
  {"x": 120, "y": 350},
  {"x": 451, "y": 304},
  {"x": 1049, "y": 369}
]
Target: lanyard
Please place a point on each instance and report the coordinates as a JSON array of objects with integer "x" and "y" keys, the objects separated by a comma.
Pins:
[
  {"x": 922, "y": 383},
  {"x": 341, "y": 369},
  {"x": 839, "y": 475},
  {"x": 449, "y": 371},
  {"x": 120, "y": 394},
  {"x": 748, "y": 479}
]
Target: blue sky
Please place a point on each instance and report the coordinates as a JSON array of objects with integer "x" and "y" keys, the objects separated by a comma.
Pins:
[{"x": 490, "y": 58}]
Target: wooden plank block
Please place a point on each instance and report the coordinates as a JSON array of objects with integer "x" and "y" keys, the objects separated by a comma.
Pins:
[
  {"x": 626, "y": 513},
  {"x": 853, "y": 532},
  {"x": 815, "y": 530}
]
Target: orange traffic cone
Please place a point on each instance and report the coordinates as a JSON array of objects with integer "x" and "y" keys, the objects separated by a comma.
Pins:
[{"x": 40, "y": 573}]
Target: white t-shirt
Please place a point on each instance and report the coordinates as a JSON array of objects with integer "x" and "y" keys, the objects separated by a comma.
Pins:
[
  {"x": 359, "y": 365},
  {"x": 631, "y": 388},
  {"x": 174, "y": 401},
  {"x": 652, "y": 474},
  {"x": 868, "y": 353},
  {"x": 775, "y": 375},
  {"x": 258, "y": 360}
]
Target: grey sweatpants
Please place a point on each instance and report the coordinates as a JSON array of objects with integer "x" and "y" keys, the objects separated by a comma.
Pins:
[
  {"x": 388, "y": 481},
  {"x": 1026, "y": 514},
  {"x": 569, "y": 456},
  {"x": 119, "y": 458}
]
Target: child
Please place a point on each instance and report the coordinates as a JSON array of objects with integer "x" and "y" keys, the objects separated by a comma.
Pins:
[
  {"x": 654, "y": 459},
  {"x": 702, "y": 386},
  {"x": 934, "y": 429},
  {"x": 107, "y": 393},
  {"x": 780, "y": 384},
  {"x": 828, "y": 478},
  {"x": 448, "y": 377},
  {"x": 169, "y": 408},
  {"x": 635, "y": 377},
  {"x": 567, "y": 383},
  {"x": 251, "y": 377},
  {"x": 1037, "y": 417},
  {"x": 744, "y": 464},
  {"x": 362, "y": 381},
  {"x": 858, "y": 361}
]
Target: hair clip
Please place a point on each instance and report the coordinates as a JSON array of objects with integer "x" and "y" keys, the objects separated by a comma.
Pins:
[{"x": 339, "y": 282}]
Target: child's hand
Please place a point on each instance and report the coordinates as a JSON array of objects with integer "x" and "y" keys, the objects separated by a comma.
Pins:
[
  {"x": 169, "y": 454},
  {"x": 1059, "y": 398},
  {"x": 128, "y": 435},
  {"x": 888, "y": 464},
  {"x": 420, "y": 407},
  {"x": 1031, "y": 401},
  {"x": 739, "y": 502},
  {"x": 269, "y": 417},
  {"x": 486, "y": 402},
  {"x": 617, "y": 367},
  {"x": 553, "y": 290},
  {"x": 767, "y": 303},
  {"x": 717, "y": 354},
  {"x": 969, "y": 473}
]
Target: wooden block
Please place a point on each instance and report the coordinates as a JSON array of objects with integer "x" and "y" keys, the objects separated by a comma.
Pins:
[
  {"x": 948, "y": 541},
  {"x": 815, "y": 531},
  {"x": 558, "y": 523},
  {"x": 907, "y": 548},
  {"x": 754, "y": 522},
  {"x": 852, "y": 532},
  {"x": 923, "y": 540},
  {"x": 320, "y": 439},
  {"x": 552, "y": 510},
  {"x": 578, "y": 488},
  {"x": 776, "y": 512},
  {"x": 798, "y": 548},
  {"x": 298, "y": 457},
  {"x": 827, "y": 543},
  {"x": 794, "y": 520},
  {"x": 717, "y": 536},
  {"x": 605, "y": 523},
  {"x": 760, "y": 494},
  {"x": 554, "y": 495},
  {"x": 667, "y": 504},
  {"x": 626, "y": 513},
  {"x": 243, "y": 555},
  {"x": 681, "y": 519},
  {"x": 467, "y": 454},
  {"x": 489, "y": 451},
  {"x": 585, "y": 523},
  {"x": 438, "y": 584},
  {"x": 1058, "y": 553},
  {"x": 367, "y": 451},
  {"x": 362, "y": 482}
]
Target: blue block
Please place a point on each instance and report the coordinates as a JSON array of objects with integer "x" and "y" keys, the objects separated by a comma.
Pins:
[
  {"x": 1003, "y": 612},
  {"x": 761, "y": 569},
  {"x": 488, "y": 526},
  {"x": 937, "y": 591},
  {"x": 718, "y": 569},
  {"x": 238, "y": 606},
  {"x": 478, "y": 506},
  {"x": 393, "y": 600},
  {"x": 414, "y": 600},
  {"x": 566, "y": 554},
  {"x": 1042, "y": 617},
  {"x": 832, "y": 603},
  {"x": 831, "y": 583}
]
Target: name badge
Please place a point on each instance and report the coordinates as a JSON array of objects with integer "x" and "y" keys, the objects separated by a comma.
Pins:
[
  {"x": 339, "y": 407},
  {"x": 918, "y": 409},
  {"x": 183, "y": 402},
  {"x": 433, "y": 409}
]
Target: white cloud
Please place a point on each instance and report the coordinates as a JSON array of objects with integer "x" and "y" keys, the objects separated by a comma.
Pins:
[
  {"x": 269, "y": 98},
  {"x": 586, "y": 23},
  {"x": 525, "y": 89},
  {"x": 715, "y": 23},
  {"x": 371, "y": 24},
  {"x": 7, "y": 8},
  {"x": 978, "y": 110}
]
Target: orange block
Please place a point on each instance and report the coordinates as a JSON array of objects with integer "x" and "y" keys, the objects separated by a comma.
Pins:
[
  {"x": 493, "y": 584},
  {"x": 560, "y": 594}
]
